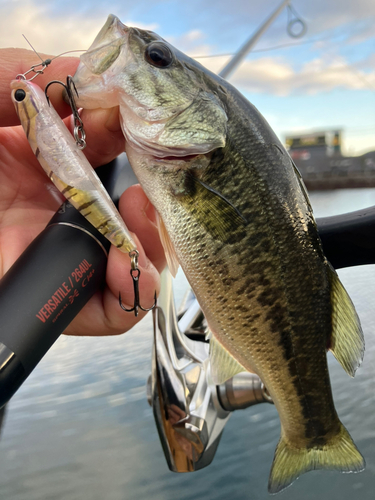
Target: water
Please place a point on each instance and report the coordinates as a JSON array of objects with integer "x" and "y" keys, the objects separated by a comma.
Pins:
[{"x": 81, "y": 428}]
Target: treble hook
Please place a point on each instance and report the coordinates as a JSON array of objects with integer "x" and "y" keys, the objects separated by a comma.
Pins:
[
  {"x": 79, "y": 132},
  {"x": 135, "y": 274}
]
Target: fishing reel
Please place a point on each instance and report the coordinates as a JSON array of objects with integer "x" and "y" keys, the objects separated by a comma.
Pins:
[{"x": 189, "y": 410}]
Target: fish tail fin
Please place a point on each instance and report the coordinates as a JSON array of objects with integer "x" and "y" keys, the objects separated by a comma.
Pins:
[{"x": 339, "y": 453}]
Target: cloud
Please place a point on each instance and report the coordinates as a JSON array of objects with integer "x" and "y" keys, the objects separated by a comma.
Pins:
[
  {"x": 319, "y": 15},
  {"x": 213, "y": 26},
  {"x": 48, "y": 33},
  {"x": 278, "y": 77},
  {"x": 227, "y": 23},
  {"x": 45, "y": 34},
  {"x": 191, "y": 43}
]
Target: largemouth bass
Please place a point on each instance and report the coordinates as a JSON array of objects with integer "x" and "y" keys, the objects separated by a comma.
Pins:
[{"x": 235, "y": 215}]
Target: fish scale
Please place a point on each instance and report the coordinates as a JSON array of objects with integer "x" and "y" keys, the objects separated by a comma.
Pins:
[
  {"x": 233, "y": 212},
  {"x": 258, "y": 265},
  {"x": 251, "y": 254}
]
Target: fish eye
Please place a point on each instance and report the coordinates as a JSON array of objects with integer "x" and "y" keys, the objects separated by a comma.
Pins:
[
  {"x": 159, "y": 55},
  {"x": 19, "y": 95}
]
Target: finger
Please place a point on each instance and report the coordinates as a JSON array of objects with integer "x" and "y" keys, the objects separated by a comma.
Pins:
[
  {"x": 119, "y": 280},
  {"x": 103, "y": 311},
  {"x": 140, "y": 217},
  {"x": 18, "y": 61},
  {"x": 104, "y": 137},
  {"x": 105, "y": 140}
]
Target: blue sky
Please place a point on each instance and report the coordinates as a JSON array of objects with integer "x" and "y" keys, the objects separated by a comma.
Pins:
[{"x": 326, "y": 82}]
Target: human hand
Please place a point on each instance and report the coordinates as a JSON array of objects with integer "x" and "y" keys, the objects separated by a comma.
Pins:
[{"x": 28, "y": 199}]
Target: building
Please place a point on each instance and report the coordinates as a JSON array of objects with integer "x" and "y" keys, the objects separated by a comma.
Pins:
[{"x": 319, "y": 158}]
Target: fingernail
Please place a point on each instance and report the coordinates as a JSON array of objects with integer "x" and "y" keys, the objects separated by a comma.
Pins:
[{"x": 150, "y": 212}]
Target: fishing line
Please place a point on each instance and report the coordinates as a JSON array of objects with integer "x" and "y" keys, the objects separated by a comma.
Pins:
[
  {"x": 44, "y": 63},
  {"x": 68, "y": 52},
  {"x": 275, "y": 47},
  {"x": 32, "y": 47},
  {"x": 54, "y": 57}
]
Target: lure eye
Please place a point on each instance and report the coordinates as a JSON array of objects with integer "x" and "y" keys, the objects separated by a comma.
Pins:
[
  {"x": 19, "y": 95},
  {"x": 159, "y": 55}
]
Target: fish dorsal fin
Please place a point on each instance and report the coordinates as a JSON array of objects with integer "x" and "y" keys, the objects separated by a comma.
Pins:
[
  {"x": 223, "y": 364},
  {"x": 170, "y": 253},
  {"x": 301, "y": 184},
  {"x": 347, "y": 342}
]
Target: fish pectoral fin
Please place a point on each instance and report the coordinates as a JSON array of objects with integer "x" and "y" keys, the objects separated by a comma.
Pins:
[
  {"x": 170, "y": 253},
  {"x": 339, "y": 453},
  {"x": 223, "y": 365},
  {"x": 347, "y": 343},
  {"x": 214, "y": 211}
]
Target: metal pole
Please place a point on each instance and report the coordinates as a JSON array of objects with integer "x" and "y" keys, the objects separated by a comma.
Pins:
[{"x": 243, "y": 51}]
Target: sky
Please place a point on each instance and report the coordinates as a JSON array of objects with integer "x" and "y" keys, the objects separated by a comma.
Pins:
[{"x": 322, "y": 81}]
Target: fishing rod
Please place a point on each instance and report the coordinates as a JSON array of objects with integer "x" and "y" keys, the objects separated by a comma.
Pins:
[
  {"x": 48, "y": 285},
  {"x": 349, "y": 239},
  {"x": 296, "y": 28}
]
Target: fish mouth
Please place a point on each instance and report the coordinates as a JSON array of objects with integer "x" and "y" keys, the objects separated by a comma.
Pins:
[
  {"x": 91, "y": 76},
  {"x": 161, "y": 154},
  {"x": 106, "y": 47},
  {"x": 112, "y": 31},
  {"x": 175, "y": 159},
  {"x": 114, "y": 72}
]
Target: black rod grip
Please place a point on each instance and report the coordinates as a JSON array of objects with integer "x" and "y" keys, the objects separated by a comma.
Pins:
[
  {"x": 46, "y": 288},
  {"x": 349, "y": 239},
  {"x": 41, "y": 294}
]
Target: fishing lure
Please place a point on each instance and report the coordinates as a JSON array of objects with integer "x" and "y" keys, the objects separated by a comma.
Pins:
[{"x": 63, "y": 161}]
